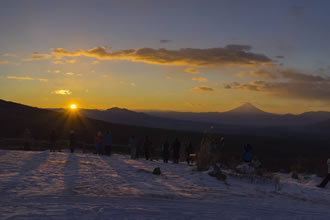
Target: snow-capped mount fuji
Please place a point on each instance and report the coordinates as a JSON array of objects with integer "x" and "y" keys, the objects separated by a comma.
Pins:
[{"x": 247, "y": 108}]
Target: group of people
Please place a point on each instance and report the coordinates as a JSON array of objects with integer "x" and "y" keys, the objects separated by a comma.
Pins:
[
  {"x": 54, "y": 139},
  {"x": 150, "y": 151},
  {"x": 103, "y": 144}
]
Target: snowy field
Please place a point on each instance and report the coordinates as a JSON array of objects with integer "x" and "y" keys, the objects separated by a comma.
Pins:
[{"x": 44, "y": 185}]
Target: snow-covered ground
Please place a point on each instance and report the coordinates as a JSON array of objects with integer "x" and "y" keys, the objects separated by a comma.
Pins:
[{"x": 44, "y": 185}]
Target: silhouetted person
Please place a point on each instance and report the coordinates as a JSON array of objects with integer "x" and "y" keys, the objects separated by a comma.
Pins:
[
  {"x": 99, "y": 142},
  {"x": 72, "y": 141},
  {"x": 217, "y": 146},
  {"x": 53, "y": 140},
  {"x": 176, "y": 150},
  {"x": 108, "y": 143},
  {"x": 166, "y": 151},
  {"x": 147, "y": 147},
  {"x": 327, "y": 178},
  {"x": 133, "y": 145},
  {"x": 27, "y": 139},
  {"x": 190, "y": 150},
  {"x": 247, "y": 154}
]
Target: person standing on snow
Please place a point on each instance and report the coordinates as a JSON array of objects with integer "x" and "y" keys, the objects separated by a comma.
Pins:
[
  {"x": 247, "y": 154},
  {"x": 176, "y": 150},
  {"x": 147, "y": 145},
  {"x": 72, "y": 141},
  {"x": 99, "y": 142},
  {"x": 166, "y": 151},
  {"x": 190, "y": 150},
  {"x": 327, "y": 178},
  {"x": 27, "y": 139},
  {"x": 108, "y": 143},
  {"x": 53, "y": 140},
  {"x": 133, "y": 144}
]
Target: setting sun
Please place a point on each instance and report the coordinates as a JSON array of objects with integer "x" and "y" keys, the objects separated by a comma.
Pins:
[{"x": 73, "y": 106}]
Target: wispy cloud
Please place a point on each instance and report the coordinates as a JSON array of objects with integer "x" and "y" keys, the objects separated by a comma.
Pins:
[
  {"x": 20, "y": 77},
  {"x": 307, "y": 90},
  {"x": 165, "y": 41},
  {"x": 3, "y": 61},
  {"x": 202, "y": 89},
  {"x": 58, "y": 62},
  {"x": 191, "y": 70},
  {"x": 69, "y": 74},
  {"x": 233, "y": 55},
  {"x": 9, "y": 55},
  {"x": 62, "y": 92},
  {"x": 64, "y": 61},
  {"x": 27, "y": 78},
  {"x": 200, "y": 79},
  {"x": 71, "y": 61},
  {"x": 38, "y": 56}
]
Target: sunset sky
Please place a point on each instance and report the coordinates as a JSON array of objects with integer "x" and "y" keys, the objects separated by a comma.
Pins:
[{"x": 167, "y": 55}]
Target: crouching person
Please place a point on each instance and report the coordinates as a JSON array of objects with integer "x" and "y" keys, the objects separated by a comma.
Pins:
[{"x": 327, "y": 178}]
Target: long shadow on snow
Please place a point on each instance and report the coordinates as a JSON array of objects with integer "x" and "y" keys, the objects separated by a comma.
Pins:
[
  {"x": 143, "y": 179},
  {"x": 71, "y": 173},
  {"x": 25, "y": 170}
]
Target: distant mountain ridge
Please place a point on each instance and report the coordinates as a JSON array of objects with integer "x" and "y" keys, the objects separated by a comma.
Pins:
[
  {"x": 247, "y": 115},
  {"x": 245, "y": 119},
  {"x": 14, "y": 118}
]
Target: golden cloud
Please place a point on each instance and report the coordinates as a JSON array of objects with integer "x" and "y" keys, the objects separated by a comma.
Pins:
[
  {"x": 27, "y": 78},
  {"x": 62, "y": 92},
  {"x": 38, "y": 56},
  {"x": 71, "y": 61},
  {"x": 191, "y": 71},
  {"x": 58, "y": 62},
  {"x": 202, "y": 89},
  {"x": 3, "y": 61},
  {"x": 20, "y": 77},
  {"x": 233, "y": 55},
  {"x": 200, "y": 79}
]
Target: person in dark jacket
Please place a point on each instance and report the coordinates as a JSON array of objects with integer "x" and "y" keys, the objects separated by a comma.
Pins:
[
  {"x": 72, "y": 141},
  {"x": 176, "y": 150},
  {"x": 247, "y": 154},
  {"x": 133, "y": 145},
  {"x": 147, "y": 148},
  {"x": 53, "y": 140},
  {"x": 166, "y": 151},
  {"x": 190, "y": 150},
  {"x": 99, "y": 141},
  {"x": 108, "y": 143}
]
